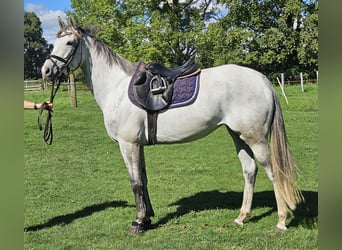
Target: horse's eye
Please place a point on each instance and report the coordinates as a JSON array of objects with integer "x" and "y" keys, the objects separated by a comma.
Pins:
[{"x": 70, "y": 43}]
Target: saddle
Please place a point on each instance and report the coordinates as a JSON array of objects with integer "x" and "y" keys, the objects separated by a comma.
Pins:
[
  {"x": 153, "y": 89},
  {"x": 153, "y": 83}
]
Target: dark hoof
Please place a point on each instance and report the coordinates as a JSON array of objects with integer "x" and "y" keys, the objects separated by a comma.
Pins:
[{"x": 138, "y": 228}]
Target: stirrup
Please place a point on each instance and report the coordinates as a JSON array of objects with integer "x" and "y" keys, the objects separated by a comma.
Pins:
[{"x": 157, "y": 85}]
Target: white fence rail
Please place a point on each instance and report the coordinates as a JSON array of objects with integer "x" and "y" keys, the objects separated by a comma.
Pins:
[
  {"x": 34, "y": 85},
  {"x": 39, "y": 85}
]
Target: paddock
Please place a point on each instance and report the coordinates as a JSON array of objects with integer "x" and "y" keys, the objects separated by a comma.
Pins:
[{"x": 77, "y": 192}]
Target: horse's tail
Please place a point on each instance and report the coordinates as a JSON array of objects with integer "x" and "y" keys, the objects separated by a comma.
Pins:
[{"x": 284, "y": 165}]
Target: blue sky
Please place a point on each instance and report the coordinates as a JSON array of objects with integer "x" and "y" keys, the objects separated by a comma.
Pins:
[
  {"x": 48, "y": 11},
  {"x": 50, "y": 4}
]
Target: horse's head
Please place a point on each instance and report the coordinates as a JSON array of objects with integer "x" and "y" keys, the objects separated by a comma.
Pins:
[{"x": 66, "y": 53}]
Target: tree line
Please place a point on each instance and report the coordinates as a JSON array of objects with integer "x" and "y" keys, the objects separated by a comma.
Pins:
[
  {"x": 271, "y": 36},
  {"x": 36, "y": 48}
]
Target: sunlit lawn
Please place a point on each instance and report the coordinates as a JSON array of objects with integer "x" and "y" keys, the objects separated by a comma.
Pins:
[{"x": 78, "y": 195}]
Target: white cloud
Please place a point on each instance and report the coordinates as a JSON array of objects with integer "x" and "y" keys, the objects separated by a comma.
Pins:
[{"x": 48, "y": 18}]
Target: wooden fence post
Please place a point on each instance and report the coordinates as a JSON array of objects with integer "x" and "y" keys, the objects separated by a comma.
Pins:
[{"x": 73, "y": 90}]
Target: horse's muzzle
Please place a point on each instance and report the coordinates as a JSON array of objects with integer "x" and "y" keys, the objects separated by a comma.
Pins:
[{"x": 50, "y": 71}]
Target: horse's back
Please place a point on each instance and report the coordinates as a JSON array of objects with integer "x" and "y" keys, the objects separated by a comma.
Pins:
[
  {"x": 236, "y": 76},
  {"x": 238, "y": 85}
]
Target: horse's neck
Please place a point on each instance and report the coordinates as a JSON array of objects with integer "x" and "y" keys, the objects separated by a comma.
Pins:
[{"x": 105, "y": 80}]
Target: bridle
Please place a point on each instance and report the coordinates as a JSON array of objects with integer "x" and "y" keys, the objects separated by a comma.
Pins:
[
  {"x": 66, "y": 61},
  {"x": 48, "y": 132}
]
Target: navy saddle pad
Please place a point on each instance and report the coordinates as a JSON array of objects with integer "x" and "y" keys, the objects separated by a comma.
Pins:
[{"x": 185, "y": 91}]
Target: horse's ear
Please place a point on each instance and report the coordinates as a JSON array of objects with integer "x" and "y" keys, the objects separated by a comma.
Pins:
[
  {"x": 61, "y": 23},
  {"x": 73, "y": 22}
]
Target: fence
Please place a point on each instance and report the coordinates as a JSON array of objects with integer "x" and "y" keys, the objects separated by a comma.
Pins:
[
  {"x": 300, "y": 80},
  {"x": 39, "y": 85},
  {"x": 34, "y": 85}
]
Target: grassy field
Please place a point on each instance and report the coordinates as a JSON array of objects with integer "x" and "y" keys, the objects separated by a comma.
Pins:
[{"x": 78, "y": 195}]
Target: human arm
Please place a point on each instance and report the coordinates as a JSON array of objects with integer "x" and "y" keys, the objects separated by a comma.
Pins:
[{"x": 33, "y": 105}]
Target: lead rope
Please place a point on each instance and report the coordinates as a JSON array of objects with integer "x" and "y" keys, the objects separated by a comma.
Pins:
[{"x": 48, "y": 133}]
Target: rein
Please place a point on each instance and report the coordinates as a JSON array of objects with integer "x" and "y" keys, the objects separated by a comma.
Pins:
[{"x": 48, "y": 132}]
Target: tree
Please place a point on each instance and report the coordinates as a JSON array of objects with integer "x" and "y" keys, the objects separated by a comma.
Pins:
[
  {"x": 36, "y": 48},
  {"x": 271, "y": 36},
  {"x": 308, "y": 43},
  {"x": 164, "y": 31}
]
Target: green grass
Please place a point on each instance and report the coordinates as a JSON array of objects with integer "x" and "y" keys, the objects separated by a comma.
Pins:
[{"x": 78, "y": 195}]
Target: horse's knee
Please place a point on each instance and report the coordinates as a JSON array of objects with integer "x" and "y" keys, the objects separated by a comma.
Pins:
[{"x": 137, "y": 187}]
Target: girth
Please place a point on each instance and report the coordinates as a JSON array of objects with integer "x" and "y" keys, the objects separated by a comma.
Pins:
[{"x": 153, "y": 89}]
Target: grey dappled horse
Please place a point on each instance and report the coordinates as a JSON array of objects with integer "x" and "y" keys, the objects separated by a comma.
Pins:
[{"x": 239, "y": 98}]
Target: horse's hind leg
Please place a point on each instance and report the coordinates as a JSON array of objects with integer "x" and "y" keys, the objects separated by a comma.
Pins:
[
  {"x": 261, "y": 150},
  {"x": 250, "y": 170}
]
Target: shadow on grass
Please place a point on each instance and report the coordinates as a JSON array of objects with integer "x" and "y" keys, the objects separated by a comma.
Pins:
[
  {"x": 86, "y": 211},
  {"x": 305, "y": 214}
]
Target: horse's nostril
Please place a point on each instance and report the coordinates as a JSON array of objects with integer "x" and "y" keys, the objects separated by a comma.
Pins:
[{"x": 46, "y": 72}]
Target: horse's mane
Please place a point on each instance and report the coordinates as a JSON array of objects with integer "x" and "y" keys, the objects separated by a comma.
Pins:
[{"x": 102, "y": 48}]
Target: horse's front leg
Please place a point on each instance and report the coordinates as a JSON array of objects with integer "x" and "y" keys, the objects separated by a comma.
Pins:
[
  {"x": 133, "y": 155},
  {"x": 149, "y": 209}
]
